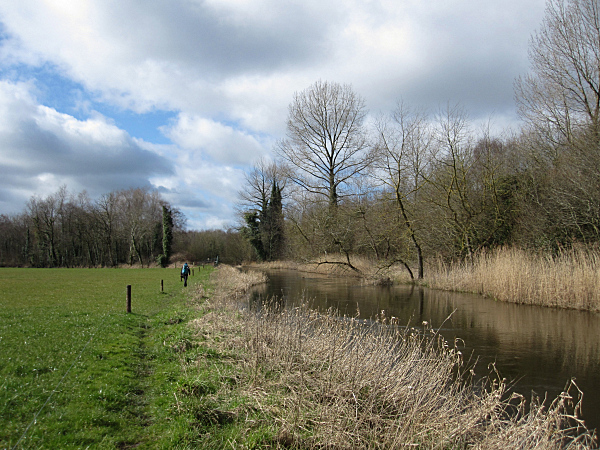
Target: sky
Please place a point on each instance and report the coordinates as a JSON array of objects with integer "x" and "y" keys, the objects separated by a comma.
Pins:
[{"x": 184, "y": 96}]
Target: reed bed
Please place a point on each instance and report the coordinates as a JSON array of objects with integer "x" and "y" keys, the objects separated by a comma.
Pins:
[
  {"x": 570, "y": 279},
  {"x": 324, "y": 381}
]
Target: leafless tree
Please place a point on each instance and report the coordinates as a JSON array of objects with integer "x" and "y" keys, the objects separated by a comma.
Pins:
[
  {"x": 403, "y": 153},
  {"x": 467, "y": 182},
  {"x": 561, "y": 97},
  {"x": 256, "y": 190},
  {"x": 326, "y": 144},
  {"x": 141, "y": 210},
  {"x": 560, "y": 101}
]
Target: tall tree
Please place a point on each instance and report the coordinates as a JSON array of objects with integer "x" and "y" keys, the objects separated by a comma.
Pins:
[
  {"x": 403, "y": 146},
  {"x": 561, "y": 97},
  {"x": 254, "y": 194},
  {"x": 325, "y": 143},
  {"x": 271, "y": 226},
  {"x": 560, "y": 102},
  {"x": 44, "y": 215},
  {"x": 251, "y": 231},
  {"x": 167, "y": 236},
  {"x": 261, "y": 206}
]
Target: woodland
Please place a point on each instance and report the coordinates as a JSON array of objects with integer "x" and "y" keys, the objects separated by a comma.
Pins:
[{"x": 398, "y": 188}]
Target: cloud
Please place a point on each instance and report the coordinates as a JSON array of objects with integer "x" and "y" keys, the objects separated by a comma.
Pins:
[
  {"x": 216, "y": 141},
  {"x": 43, "y": 149},
  {"x": 146, "y": 54},
  {"x": 221, "y": 74},
  {"x": 207, "y": 57}
]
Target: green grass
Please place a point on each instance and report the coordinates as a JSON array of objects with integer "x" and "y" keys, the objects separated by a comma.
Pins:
[{"x": 77, "y": 371}]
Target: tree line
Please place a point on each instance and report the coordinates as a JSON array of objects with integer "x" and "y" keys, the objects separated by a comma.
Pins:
[
  {"x": 413, "y": 184},
  {"x": 126, "y": 227},
  {"x": 69, "y": 230}
]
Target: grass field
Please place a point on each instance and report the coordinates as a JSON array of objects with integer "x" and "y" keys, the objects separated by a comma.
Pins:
[
  {"x": 77, "y": 371},
  {"x": 196, "y": 371}
]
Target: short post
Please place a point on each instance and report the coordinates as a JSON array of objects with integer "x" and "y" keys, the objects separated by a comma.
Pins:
[
  {"x": 192, "y": 272},
  {"x": 162, "y": 287},
  {"x": 128, "y": 298}
]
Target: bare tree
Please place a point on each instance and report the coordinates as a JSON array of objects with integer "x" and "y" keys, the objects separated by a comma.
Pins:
[
  {"x": 403, "y": 146},
  {"x": 107, "y": 217},
  {"x": 452, "y": 175},
  {"x": 261, "y": 208},
  {"x": 561, "y": 98},
  {"x": 326, "y": 143},
  {"x": 256, "y": 191},
  {"x": 469, "y": 184},
  {"x": 141, "y": 211}
]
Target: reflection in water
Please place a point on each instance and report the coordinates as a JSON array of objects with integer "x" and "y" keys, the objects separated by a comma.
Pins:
[{"x": 540, "y": 349}]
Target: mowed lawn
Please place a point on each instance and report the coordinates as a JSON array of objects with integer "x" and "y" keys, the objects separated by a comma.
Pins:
[{"x": 77, "y": 371}]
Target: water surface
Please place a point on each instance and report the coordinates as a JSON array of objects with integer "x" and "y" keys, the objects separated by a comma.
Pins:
[{"x": 539, "y": 349}]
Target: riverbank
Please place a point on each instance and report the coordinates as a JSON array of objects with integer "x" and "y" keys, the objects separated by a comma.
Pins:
[
  {"x": 298, "y": 379},
  {"x": 568, "y": 280}
]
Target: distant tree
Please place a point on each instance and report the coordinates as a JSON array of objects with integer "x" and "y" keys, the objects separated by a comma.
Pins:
[
  {"x": 44, "y": 215},
  {"x": 251, "y": 231},
  {"x": 14, "y": 241},
  {"x": 261, "y": 206},
  {"x": 258, "y": 185},
  {"x": 326, "y": 145},
  {"x": 271, "y": 225},
  {"x": 140, "y": 212},
  {"x": 167, "y": 236}
]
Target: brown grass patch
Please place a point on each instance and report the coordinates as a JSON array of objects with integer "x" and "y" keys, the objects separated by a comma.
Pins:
[
  {"x": 568, "y": 280},
  {"x": 336, "y": 382}
]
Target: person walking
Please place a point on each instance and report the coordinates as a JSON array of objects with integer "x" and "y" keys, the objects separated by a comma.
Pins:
[{"x": 185, "y": 271}]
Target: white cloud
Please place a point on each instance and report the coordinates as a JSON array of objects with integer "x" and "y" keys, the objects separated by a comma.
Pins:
[
  {"x": 219, "y": 58},
  {"x": 41, "y": 149},
  {"x": 228, "y": 69},
  {"x": 219, "y": 142}
]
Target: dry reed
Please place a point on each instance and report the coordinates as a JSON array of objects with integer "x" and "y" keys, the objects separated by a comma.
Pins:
[
  {"x": 569, "y": 280},
  {"x": 337, "y": 382}
]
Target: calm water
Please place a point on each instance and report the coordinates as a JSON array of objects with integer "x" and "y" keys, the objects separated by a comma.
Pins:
[{"x": 540, "y": 349}]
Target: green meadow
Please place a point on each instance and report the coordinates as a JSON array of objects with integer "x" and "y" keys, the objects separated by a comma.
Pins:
[{"x": 77, "y": 371}]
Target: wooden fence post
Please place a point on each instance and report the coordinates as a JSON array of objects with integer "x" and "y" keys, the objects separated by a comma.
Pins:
[
  {"x": 128, "y": 298},
  {"x": 162, "y": 287}
]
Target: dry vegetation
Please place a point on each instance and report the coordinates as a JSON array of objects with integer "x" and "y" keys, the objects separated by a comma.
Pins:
[
  {"x": 568, "y": 280},
  {"x": 324, "y": 381}
]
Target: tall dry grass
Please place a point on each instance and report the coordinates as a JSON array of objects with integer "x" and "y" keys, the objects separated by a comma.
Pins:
[
  {"x": 568, "y": 280},
  {"x": 336, "y": 382}
]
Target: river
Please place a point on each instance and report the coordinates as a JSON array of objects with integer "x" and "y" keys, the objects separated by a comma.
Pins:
[{"x": 538, "y": 349}]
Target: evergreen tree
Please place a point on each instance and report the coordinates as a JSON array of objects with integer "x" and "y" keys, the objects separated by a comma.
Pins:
[
  {"x": 272, "y": 226},
  {"x": 167, "y": 236},
  {"x": 252, "y": 232}
]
